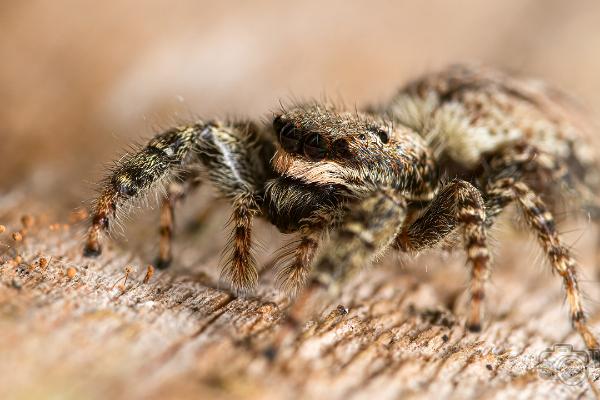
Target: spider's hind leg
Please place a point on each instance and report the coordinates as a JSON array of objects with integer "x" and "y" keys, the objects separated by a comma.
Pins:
[{"x": 503, "y": 191}]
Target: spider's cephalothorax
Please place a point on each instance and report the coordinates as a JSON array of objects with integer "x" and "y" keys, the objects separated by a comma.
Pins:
[{"x": 447, "y": 154}]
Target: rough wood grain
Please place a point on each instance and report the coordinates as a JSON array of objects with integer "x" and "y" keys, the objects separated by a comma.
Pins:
[{"x": 70, "y": 330}]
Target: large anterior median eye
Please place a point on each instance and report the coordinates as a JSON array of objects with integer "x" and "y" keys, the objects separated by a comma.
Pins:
[
  {"x": 315, "y": 147},
  {"x": 289, "y": 137}
]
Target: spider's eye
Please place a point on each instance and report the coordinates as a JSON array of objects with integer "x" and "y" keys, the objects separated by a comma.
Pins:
[
  {"x": 288, "y": 135},
  {"x": 381, "y": 133},
  {"x": 315, "y": 147},
  {"x": 383, "y": 136},
  {"x": 340, "y": 148}
]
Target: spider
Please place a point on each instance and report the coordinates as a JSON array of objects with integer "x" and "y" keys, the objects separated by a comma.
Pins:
[{"x": 444, "y": 157}]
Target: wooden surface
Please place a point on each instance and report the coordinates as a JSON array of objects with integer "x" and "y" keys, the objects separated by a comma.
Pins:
[{"x": 72, "y": 330}]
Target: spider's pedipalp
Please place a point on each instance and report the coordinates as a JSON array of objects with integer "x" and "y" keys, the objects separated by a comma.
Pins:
[
  {"x": 295, "y": 263},
  {"x": 366, "y": 231}
]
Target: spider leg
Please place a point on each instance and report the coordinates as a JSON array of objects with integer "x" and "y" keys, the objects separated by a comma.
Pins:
[
  {"x": 175, "y": 193},
  {"x": 136, "y": 174},
  {"x": 367, "y": 229},
  {"x": 458, "y": 203},
  {"x": 296, "y": 264},
  {"x": 541, "y": 221},
  {"x": 235, "y": 159}
]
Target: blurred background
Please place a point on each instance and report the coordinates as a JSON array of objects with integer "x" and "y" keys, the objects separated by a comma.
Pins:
[{"x": 79, "y": 80}]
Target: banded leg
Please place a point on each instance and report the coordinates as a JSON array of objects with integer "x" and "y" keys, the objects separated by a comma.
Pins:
[
  {"x": 175, "y": 193},
  {"x": 240, "y": 268},
  {"x": 457, "y": 204},
  {"x": 236, "y": 160},
  {"x": 541, "y": 221},
  {"x": 366, "y": 231},
  {"x": 297, "y": 259},
  {"x": 136, "y": 174}
]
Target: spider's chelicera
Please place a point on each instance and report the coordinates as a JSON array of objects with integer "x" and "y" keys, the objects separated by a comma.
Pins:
[{"x": 447, "y": 154}]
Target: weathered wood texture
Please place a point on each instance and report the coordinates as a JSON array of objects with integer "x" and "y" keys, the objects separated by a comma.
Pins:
[{"x": 78, "y": 334}]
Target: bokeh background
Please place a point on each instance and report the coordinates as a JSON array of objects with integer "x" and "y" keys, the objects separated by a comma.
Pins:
[{"x": 81, "y": 79}]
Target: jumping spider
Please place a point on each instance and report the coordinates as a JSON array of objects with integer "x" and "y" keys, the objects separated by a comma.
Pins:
[{"x": 447, "y": 154}]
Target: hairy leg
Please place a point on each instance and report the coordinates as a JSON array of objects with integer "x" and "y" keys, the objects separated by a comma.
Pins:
[
  {"x": 367, "y": 229},
  {"x": 296, "y": 263},
  {"x": 136, "y": 174},
  {"x": 296, "y": 260},
  {"x": 236, "y": 160},
  {"x": 175, "y": 193},
  {"x": 460, "y": 204},
  {"x": 541, "y": 221}
]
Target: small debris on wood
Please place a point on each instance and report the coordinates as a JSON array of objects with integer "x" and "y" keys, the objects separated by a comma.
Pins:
[
  {"x": 43, "y": 263},
  {"x": 54, "y": 227},
  {"x": 15, "y": 283},
  {"x": 342, "y": 309},
  {"x": 71, "y": 272},
  {"x": 122, "y": 286},
  {"x": 27, "y": 221}
]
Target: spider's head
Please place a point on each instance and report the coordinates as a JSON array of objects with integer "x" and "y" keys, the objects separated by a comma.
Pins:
[{"x": 321, "y": 145}]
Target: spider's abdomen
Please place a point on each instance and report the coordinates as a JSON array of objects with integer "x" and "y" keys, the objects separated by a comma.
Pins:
[{"x": 465, "y": 113}]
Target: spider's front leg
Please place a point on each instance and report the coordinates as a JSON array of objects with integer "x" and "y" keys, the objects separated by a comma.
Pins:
[
  {"x": 236, "y": 160},
  {"x": 135, "y": 175},
  {"x": 295, "y": 263},
  {"x": 458, "y": 203},
  {"x": 367, "y": 229}
]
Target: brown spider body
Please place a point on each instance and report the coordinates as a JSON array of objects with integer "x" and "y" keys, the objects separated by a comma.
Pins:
[{"x": 448, "y": 153}]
